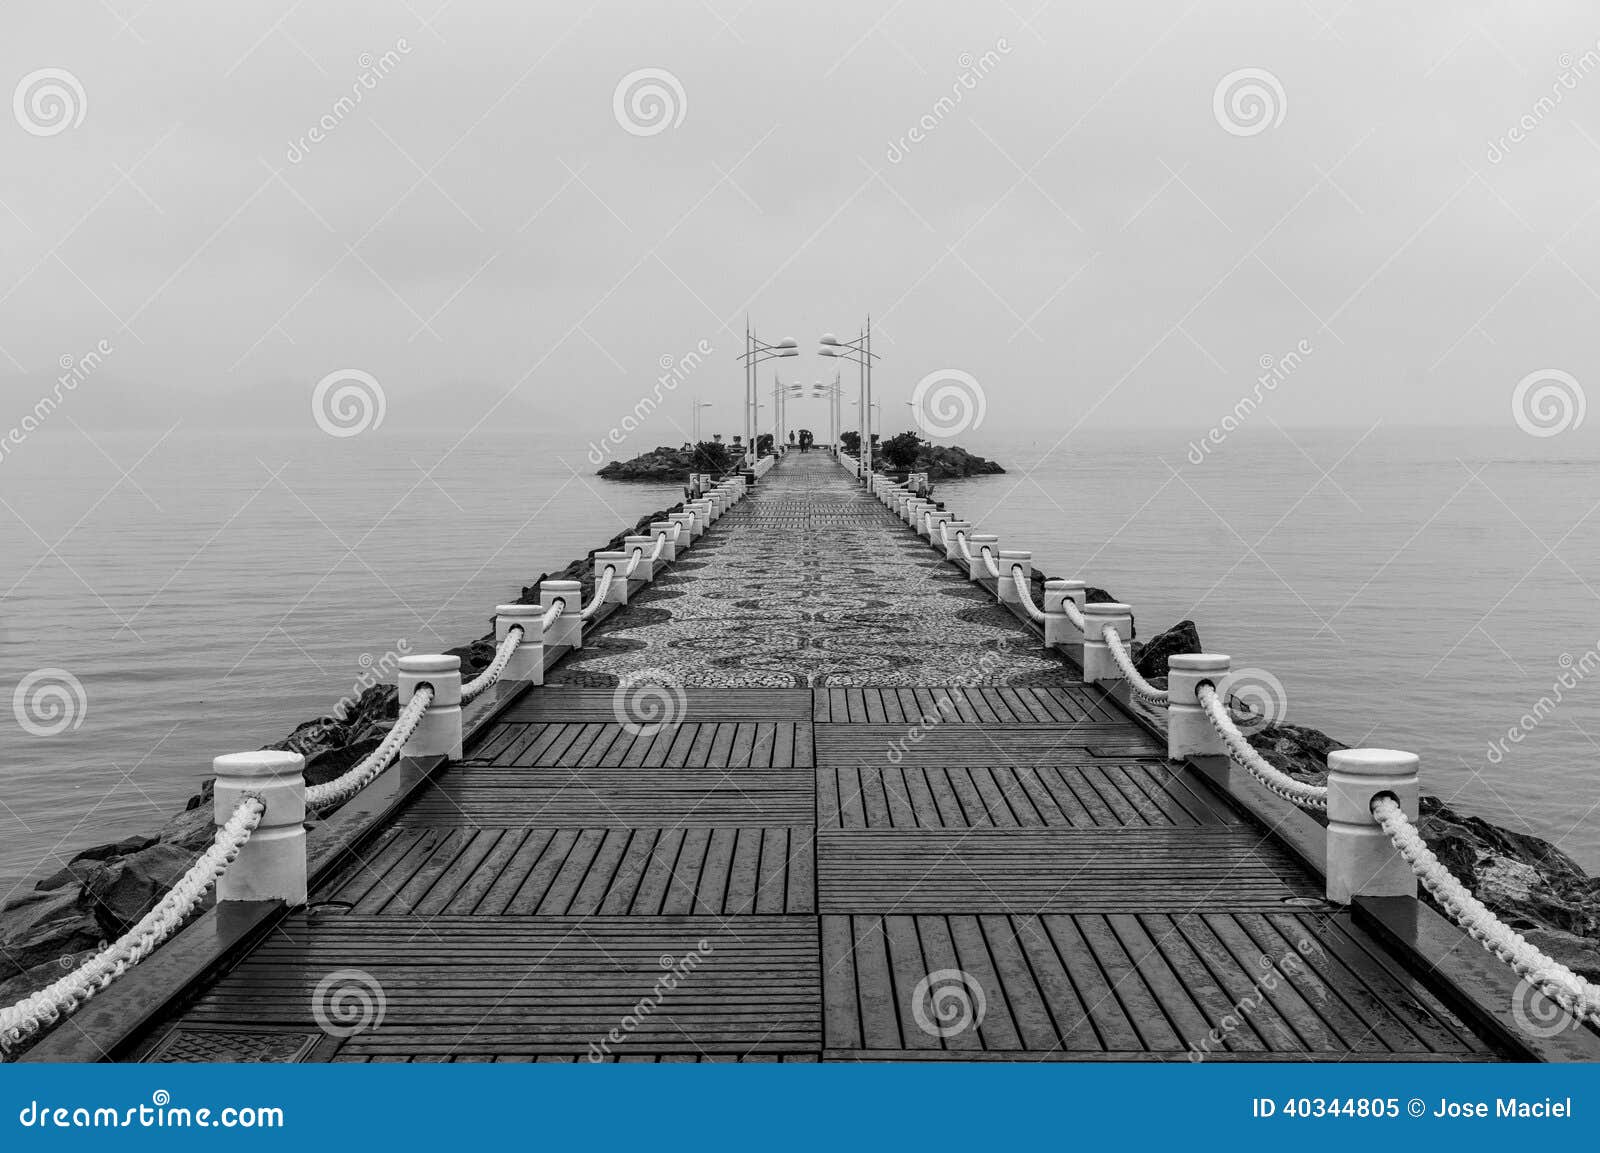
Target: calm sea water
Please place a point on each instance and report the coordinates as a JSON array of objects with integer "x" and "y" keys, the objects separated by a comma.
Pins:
[{"x": 233, "y": 585}]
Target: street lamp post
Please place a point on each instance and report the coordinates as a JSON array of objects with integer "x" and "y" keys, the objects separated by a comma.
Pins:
[
  {"x": 756, "y": 351},
  {"x": 698, "y": 405},
  {"x": 860, "y": 351}
]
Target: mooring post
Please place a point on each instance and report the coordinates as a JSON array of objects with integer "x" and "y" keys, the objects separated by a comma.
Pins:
[
  {"x": 1362, "y": 862},
  {"x": 953, "y": 530},
  {"x": 617, "y": 593},
  {"x": 662, "y": 529},
  {"x": 1099, "y": 666},
  {"x": 686, "y": 519},
  {"x": 1059, "y": 631},
  {"x": 976, "y": 571},
  {"x": 567, "y": 629},
  {"x": 526, "y": 665},
  {"x": 1189, "y": 730},
  {"x": 1006, "y": 588},
  {"x": 646, "y": 545},
  {"x": 272, "y": 864},
  {"x": 439, "y": 732}
]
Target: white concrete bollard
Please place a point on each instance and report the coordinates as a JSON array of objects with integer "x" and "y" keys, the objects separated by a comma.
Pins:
[
  {"x": 527, "y": 663},
  {"x": 1189, "y": 731},
  {"x": 911, "y": 510},
  {"x": 568, "y": 627},
  {"x": 439, "y": 733},
  {"x": 658, "y": 530},
  {"x": 1362, "y": 862},
  {"x": 953, "y": 530},
  {"x": 646, "y": 545},
  {"x": 1059, "y": 631},
  {"x": 1098, "y": 663},
  {"x": 1006, "y": 590},
  {"x": 617, "y": 593},
  {"x": 977, "y": 570},
  {"x": 686, "y": 536},
  {"x": 702, "y": 517},
  {"x": 272, "y": 864}
]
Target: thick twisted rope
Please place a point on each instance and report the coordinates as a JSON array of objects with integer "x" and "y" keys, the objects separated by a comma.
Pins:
[
  {"x": 490, "y": 675},
  {"x": 1124, "y": 659},
  {"x": 638, "y": 555},
  {"x": 1578, "y": 997},
  {"x": 39, "y": 1011},
  {"x": 557, "y": 607},
  {"x": 961, "y": 546},
  {"x": 1263, "y": 770},
  {"x": 601, "y": 588},
  {"x": 361, "y": 774},
  {"x": 988, "y": 562},
  {"x": 1025, "y": 594},
  {"x": 661, "y": 544}
]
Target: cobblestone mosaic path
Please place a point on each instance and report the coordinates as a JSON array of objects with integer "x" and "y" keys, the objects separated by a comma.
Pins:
[{"x": 811, "y": 582}]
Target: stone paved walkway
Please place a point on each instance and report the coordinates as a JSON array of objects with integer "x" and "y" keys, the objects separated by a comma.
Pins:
[{"x": 811, "y": 582}]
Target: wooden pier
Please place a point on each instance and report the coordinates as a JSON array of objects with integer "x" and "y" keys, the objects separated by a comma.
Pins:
[{"x": 882, "y": 821}]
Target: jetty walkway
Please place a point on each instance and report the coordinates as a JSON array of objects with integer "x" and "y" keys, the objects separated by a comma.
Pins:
[{"x": 811, "y": 793}]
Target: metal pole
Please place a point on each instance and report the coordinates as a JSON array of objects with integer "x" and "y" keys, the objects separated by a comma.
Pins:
[{"x": 865, "y": 452}]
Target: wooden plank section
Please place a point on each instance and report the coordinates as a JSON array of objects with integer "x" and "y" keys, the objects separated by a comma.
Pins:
[
  {"x": 1035, "y": 870},
  {"x": 1124, "y": 986},
  {"x": 972, "y": 743},
  {"x": 552, "y": 985},
  {"x": 1145, "y": 795},
  {"x": 569, "y": 704},
  {"x": 582, "y": 872},
  {"x": 615, "y": 798}
]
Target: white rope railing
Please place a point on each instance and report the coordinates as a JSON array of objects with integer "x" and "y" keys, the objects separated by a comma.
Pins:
[
  {"x": 638, "y": 555},
  {"x": 1263, "y": 770},
  {"x": 988, "y": 562},
  {"x": 944, "y": 536},
  {"x": 552, "y": 613},
  {"x": 40, "y": 1010},
  {"x": 1578, "y": 997},
  {"x": 661, "y": 544},
  {"x": 502, "y": 655},
  {"x": 1120, "y": 654},
  {"x": 1025, "y": 594},
  {"x": 601, "y": 588},
  {"x": 1074, "y": 614},
  {"x": 961, "y": 546},
  {"x": 361, "y": 774}
]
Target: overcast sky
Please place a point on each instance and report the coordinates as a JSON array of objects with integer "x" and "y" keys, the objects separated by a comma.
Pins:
[{"x": 1090, "y": 231}]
